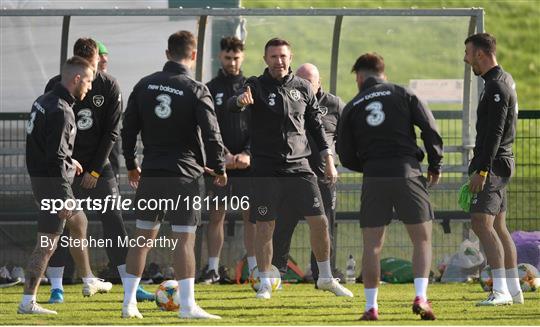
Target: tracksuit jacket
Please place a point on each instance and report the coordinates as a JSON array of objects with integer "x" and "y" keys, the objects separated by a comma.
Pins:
[
  {"x": 98, "y": 121},
  {"x": 175, "y": 115},
  {"x": 378, "y": 124},
  {"x": 50, "y": 136},
  {"x": 283, "y": 111}
]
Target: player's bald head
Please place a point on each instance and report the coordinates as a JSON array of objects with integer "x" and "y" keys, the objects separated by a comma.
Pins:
[
  {"x": 310, "y": 73},
  {"x": 307, "y": 71}
]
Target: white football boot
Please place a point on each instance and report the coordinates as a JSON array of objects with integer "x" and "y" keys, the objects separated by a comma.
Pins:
[
  {"x": 518, "y": 298},
  {"x": 131, "y": 311},
  {"x": 333, "y": 285},
  {"x": 496, "y": 298},
  {"x": 264, "y": 292},
  {"x": 196, "y": 312},
  {"x": 34, "y": 309},
  {"x": 96, "y": 285}
]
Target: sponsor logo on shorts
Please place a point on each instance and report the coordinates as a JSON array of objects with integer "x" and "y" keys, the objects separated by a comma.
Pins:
[
  {"x": 263, "y": 210},
  {"x": 316, "y": 203}
]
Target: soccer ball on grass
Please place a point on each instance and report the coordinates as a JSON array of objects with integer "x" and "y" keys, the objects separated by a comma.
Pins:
[
  {"x": 255, "y": 281},
  {"x": 167, "y": 296}
]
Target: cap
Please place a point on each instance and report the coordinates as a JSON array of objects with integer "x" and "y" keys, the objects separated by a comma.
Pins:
[{"x": 102, "y": 48}]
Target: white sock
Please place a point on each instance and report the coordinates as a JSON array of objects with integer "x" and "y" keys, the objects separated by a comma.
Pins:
[
  {"x": 55, "y": 275},
  {"x": 252, "y": 262},
  {"x": 371, "y": 298},
  {"x": 266, "y": 281},
  {"x": 130, "y": 282},
  {"x": 28, "y": 298},
  {"x": 499, "y": 280},
  {"x": 421, "y": 285},
  {"x": 324, "y": 269},
  {"x": 187, "y": 293},
  {"x": 512, "y": 281},
  {"x": 213, "y": 263},
  {"x": 266, "y": 278},
  {"x": 122, "y": 271}
]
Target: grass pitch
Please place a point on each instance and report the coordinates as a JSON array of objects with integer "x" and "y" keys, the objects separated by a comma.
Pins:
[{"x": 300, "y": 304}]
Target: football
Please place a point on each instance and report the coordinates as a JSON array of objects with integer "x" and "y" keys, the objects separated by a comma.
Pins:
[
  {"x": 255, "y": 281},
  {"x": 486, "y": 281},
  {"x": 528, "y": 277},
  {"x": 167, "y": 296}
]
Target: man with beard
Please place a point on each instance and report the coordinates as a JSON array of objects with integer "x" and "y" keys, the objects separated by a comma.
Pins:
[
  {"x": 234, "y": 129},
  {"x": 491, "y": 167}
]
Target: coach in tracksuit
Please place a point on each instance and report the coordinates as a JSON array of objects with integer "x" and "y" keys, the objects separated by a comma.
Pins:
[
  {"x": 97, "y": 120},
  {"x": 50, "y": 139},
  {"x": 175, "y": 116},
  {"x": 492, "y": 166},
  {"x": 330, "y": 107},
  {"x": 283, "y": 109},
  {"x": 376, "y": 136}
]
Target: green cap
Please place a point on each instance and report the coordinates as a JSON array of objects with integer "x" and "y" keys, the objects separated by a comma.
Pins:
[
  {"x": 102, "y": 48},
  {"x": 465, "y": 196}
]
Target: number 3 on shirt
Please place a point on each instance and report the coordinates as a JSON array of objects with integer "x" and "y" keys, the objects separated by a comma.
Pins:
[
  {"x": 163, "y": 109},
  {"x": 376, "y": 114},
  {"x": 30, "y": 124}
]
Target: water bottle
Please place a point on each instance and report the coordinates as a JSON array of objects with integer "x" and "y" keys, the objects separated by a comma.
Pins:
[{"x": 350, "y": 274}]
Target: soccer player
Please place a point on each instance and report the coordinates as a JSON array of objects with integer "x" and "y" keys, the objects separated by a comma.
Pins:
[
  {"x": 97, "y": 121},
  {"x": 171, "y": 111},
  {"x": 235, "y": 132},
  {"x": 50, "y": 138},
  {"x": 283, "y": 106},
  {"x": 376, "y": 136},
  {"x": 330, "y": 107},
  {"x": 491, "y": 167}
]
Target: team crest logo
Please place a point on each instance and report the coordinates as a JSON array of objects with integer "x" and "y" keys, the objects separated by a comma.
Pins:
[
  {"x": 323, "y": 110},
  {"x": 98, "y": 100},
  {"x": 262, "y": 210},
  {"x": 295, "y": 94},
  {"x": 237, "y": 86}
]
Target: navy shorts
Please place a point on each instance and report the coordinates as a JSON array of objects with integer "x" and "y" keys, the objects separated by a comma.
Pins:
[
  {"x": 178, "y": 195},
  {"x": 407, "y": 197},
  {"x": 297, "y": 190}
]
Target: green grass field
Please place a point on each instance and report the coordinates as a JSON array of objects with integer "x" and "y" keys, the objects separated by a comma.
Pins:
[{"x": 297, "y": 304}]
